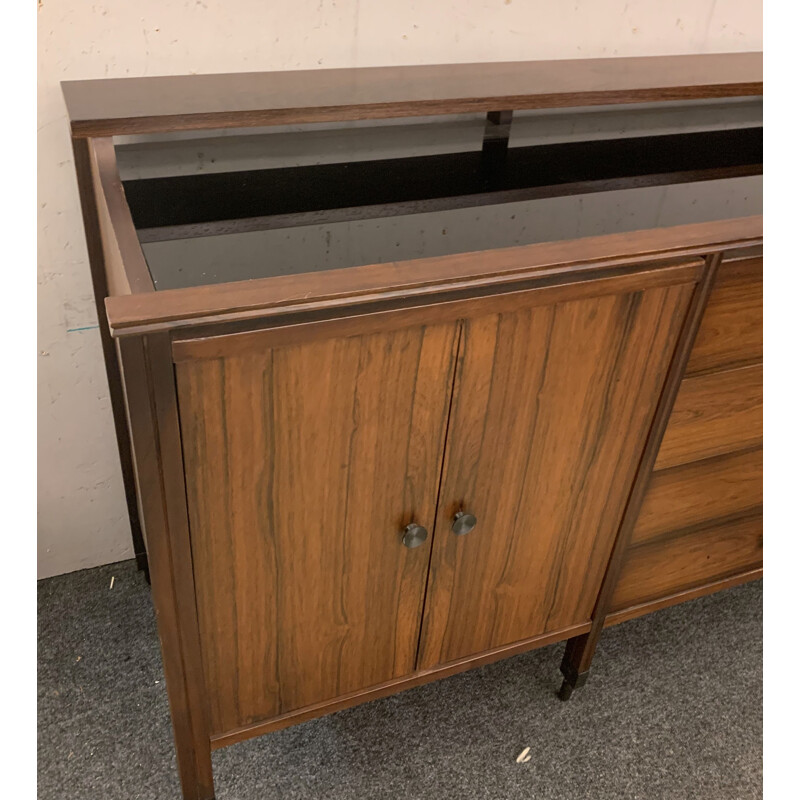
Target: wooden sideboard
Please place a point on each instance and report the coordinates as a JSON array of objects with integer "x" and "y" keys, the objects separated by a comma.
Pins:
[{"x": 351, "y": 474}]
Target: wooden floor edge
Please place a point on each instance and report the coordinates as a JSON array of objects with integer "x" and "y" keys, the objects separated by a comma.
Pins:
[
  {"x": 391, "y": 687},
  {"x": 679, "y": 597}
]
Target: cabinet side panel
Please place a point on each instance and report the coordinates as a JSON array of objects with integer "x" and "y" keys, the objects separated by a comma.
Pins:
[{"x": 304, "y": 463}]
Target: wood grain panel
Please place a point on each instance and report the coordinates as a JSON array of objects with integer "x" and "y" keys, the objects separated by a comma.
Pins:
[
  {"x": 303, "y": 464},
  {"x": 731, "y": 333},
  {"x": 699, "y": 492},
  {"x": 714, "y": 414},
  {"x": 551, "y": 409},
  {"x": 659, "y": 568}
]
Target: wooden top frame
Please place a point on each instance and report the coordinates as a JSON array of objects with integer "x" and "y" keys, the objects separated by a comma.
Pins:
[
  {"x": 103, "y": 108},
  {"x": 120, "y": 106},
  {"x": 285, "y": 299}
]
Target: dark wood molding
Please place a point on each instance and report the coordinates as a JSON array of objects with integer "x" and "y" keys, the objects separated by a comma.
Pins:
[
  {"x": 150, "y": 385},
  {"x": 572, "y": 285},
  {"x": 111, "y": 107},
  {"x": 83, "y": 154},
  {"x": 125, "y": 263},
  {"x": 403, "y": 281}
]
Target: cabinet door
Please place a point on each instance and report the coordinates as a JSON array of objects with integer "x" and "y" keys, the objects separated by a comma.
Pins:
[
  {"x": 304, "y": 462},
  {"x": 551, "y": 408}
]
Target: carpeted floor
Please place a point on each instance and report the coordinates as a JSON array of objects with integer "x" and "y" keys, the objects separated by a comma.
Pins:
[{"x": 672, "y": 710}]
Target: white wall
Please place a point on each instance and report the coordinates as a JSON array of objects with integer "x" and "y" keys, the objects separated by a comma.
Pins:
[{"x": 82, "y": 517}]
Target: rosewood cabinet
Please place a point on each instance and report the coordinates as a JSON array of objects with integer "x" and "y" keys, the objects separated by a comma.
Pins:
[{"x": 418, "y": 404}]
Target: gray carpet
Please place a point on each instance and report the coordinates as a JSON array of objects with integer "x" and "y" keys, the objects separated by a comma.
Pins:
[{"x": 672, "y": 710}]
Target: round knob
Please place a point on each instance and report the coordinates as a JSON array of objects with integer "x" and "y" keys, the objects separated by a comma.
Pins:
[
  {"x": 414, "y": 535},
  {"x": 463, "y": 522}
]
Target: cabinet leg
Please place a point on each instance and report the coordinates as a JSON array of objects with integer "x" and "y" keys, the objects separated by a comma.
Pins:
[
  {"x": 575, "y": 664},
  {"x": 155, "y": 434},
  {"x": 194, "y": 769},
  {"x": 568, "y": 686},
  {"x": 142, "y": 565},
  {"x": 146, "y": 569}
]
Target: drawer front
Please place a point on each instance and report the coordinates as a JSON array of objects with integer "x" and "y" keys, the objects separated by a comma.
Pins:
[
  {"x": 731, "y": 332},
  {"x": 659, "y": 568},
  {"x": 713, "y": 414},
  {"x": 692, "y": 494}
]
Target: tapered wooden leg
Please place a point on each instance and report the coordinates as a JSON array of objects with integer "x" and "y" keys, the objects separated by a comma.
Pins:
[{"x": 575, "y": 664}]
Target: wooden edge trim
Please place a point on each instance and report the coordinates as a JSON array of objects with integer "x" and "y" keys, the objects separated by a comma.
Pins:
[
  {"x": 411, "y": 108},
  {"x": 679, "y": 597},
  {"x": 228, "y": 344},
  {"x": 84, "y": 173},
  {"x": 111, "y": 198},
  {"x": 754, "y": 253},
  {"x": 393, "y": 300},
  {"x": 153, "y": 426},
  {"x": 241, "y": 300},
  {"x": 130, "y": 360},
  {"x": 393, "y": 686},
  {"x": 745, "y": 269},
  {"x": 170, "y": 455}
]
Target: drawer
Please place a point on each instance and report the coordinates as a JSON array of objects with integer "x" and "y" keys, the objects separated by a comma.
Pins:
[
  {"x": 659, "y": 568},
  {"x": 730, "y": 334},
  {"x": 699, "y": 492},
  {"x": 713, "y": 414}
]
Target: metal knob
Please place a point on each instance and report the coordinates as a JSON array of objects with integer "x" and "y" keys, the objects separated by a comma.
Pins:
[
  {"x": 414, "y": 535},
  {"x": 463, "y": 522}
]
